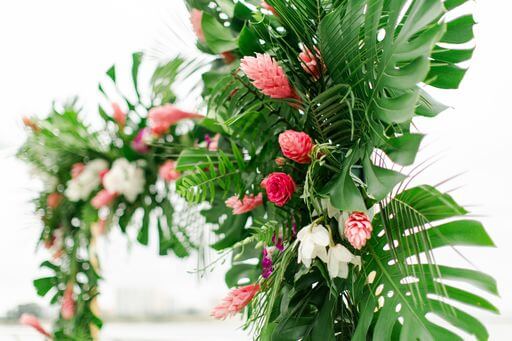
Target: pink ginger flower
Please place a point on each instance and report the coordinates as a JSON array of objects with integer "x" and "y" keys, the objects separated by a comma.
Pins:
[
  {"x": 267, "y": 76},
  {"x": 235, "y": 301},
  {"x": 358, "y": 229},
  {"x": 53, "y": 200},
  {"x": 103, "y": 199},
  {"x": 296, "y": 146},
  {"x": 311, "y": 62},
  {"x": 77, "y": 169},
  {"x": 196, "y": 16},
  {"x": 268, "y": 7},
  {"x": 68, "y": 303},
  {"x": 119, "y": 115},
  {"x": 247, "y": 204},
  {"x": 168, "y": 171},
  {"x": 139, "y": 142},
  {"x": 162, "y": 118},
  {"x": 32, "y": 321}
]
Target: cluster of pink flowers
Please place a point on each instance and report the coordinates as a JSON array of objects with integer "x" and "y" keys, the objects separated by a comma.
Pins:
[
  {"x": 279, "y": 187},
  {"x": 296, "y": 146},
  {"x": 168, "y": 171},
  {"x": 358, "y": 229},
  {"x": 268, "y": 76},
  {"x": 235, "y": 301},
  {"x": 247, "y": 204}
]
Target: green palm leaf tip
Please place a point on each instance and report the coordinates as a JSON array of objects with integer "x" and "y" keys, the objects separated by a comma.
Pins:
[{"x": 398, "y": 288}]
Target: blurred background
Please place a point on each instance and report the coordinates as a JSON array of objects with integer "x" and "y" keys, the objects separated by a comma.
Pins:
[{"x": 57, "y": 49}]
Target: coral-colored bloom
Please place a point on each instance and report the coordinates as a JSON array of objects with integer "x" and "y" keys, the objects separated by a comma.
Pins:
[
  {"x": 32, "y": 321},
  {"x": 196, "y": 16},
  {"x": 68, "y": 303},
  {"x": 168, "y": 171},
  {"x": 311, "y": 62},
  {"x": 247, "y": 204},
  {"x": 280, "y": 187},
  {"x": 358, "y": 229},
  {"x": 53, "y": 200},
  {"x": 139, "y": 143},
  {"x": 267, "y": 76},
  {"x": 268, "y": 7},
  {"x": 103, "y": 198},
  {"x": 235, "y": 302},
  {"x": 28, "y": 122},
  {"x": 77, "y": 169},
  {"x": 119, "y": 115},
  {"x": 162, "y": 118},
  {"x": 296, "y": 146}
]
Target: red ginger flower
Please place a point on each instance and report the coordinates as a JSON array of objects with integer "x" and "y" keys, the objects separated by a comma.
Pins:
[
  {"x": 119, "y": 115},
  {"x": 280, "y": 187},
  {"x": 358, "y": 229},
  {"x": 296, "y": 146},
  {"x": 235, "y": 301},
  {"x": 267, "y": 76},
  {"x": 168, "y": 171},
  {"x": 162, "y": 118},
  {"x": 32, "y": 321},
  {"x": 68, "y": 303},
  {"x": 196, "y": 16},
  {"x": 247, "y": 204}
]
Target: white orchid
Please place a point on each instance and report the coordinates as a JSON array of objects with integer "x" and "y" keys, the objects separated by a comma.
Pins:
[
  {"x": 313, "y": 242},
  {"x": 338, "y": 259},
  {"x": 81, "y": 187},
  {"x": 125, "y": 178}
]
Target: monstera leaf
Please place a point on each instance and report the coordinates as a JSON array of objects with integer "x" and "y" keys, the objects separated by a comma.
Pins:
[{"x": 401, "y": 284}]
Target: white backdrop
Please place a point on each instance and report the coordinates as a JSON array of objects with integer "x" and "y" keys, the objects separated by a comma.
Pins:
[{"x": 60, "y": 48}]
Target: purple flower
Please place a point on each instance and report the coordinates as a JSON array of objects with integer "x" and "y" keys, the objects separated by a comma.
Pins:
[
  {"x": 266, "y": 264},
  {"x": 278, "y": 242}
]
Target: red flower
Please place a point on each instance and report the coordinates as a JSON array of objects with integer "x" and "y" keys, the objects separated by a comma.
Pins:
[
  {"x": 235, "y": 302},
  {"x": 358, "y": 229},
  {"x": 280, "y": 187},
  {"x": 296, "y": 146},
  {"x": 53, "y": 200}
]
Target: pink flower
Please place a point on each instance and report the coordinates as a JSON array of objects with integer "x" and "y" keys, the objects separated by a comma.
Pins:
[
  {"x": 280, "y": 187},
  {"x": 267, "y": 76},
  {"x": 358, "y": 229},
  {"x": 77, "y": 169},
  {"x": 32, "y": 321},
  {"x": 268, "y": 7},
  {"x": 119, "y": 115},
  {"x": 310, "y": 61},
  {"x": 296, "y": 146},
  {"x": 139, "y": 142},
  {"x": 28, "y": 122},
  {"x": 68, "y": 303},
  {"x": 247, "y": 204},
  {"x": 235, "y": 302},
  {"x": 162, "y": 118},
  {"x": 196, "y": 16},
  {"x": 103, "y": 198},
  {"x": 168, "y": 171},
  {"x": 53, "y": 200}
]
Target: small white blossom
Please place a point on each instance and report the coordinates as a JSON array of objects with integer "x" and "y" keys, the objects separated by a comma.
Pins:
[
  {"x": 338, "y": 259},
  {"x": 313, "y": 242},
  {"x": 125, "y": 178},
  {"x": 81, "y": 187}
]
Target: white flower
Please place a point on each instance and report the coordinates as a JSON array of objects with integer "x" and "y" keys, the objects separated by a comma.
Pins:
[
  {"x": 80, "y": 187},
  {"x": 313, "y": 243},
  {"x": 125, "y": 178},
  {"x": 338, "y": 259}
]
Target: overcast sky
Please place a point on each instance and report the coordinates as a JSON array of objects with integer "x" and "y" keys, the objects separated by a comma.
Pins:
[{"x": 59, "y": 48}]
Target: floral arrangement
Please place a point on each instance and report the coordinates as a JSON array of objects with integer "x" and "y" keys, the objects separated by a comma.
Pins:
[{"x": 311, "y": 107}]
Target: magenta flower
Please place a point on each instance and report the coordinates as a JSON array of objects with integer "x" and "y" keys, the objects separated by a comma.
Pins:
[
  {"x": 247, "y": 204},
  {"x": 280, "y": 187},
  {"x": 235, "y": 301},
  {"x": 139, "y": 142},
  {"x": 358, "y": 229},
  {"x": 267, "y": 76},
  {"x": 266, "y": 264}
]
